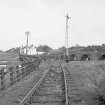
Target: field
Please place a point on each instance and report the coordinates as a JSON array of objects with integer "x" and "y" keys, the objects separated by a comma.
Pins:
[{"x": 90, "y": 78}]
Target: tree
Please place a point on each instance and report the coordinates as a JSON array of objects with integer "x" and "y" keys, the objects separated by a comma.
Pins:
[
  {"x": 62, "y": 49},
  {"x": 43, "y": 48}
]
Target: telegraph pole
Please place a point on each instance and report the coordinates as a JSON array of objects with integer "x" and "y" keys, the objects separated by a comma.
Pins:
[
  {"x": 27, "y": 35},
  {"x": 66, "y": 36}
]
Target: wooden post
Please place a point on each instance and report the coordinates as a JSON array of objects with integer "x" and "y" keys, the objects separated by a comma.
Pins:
[
  {"x": 17, "y": 73},
  {"x": 11, "y": 76},
  {"x": 22, "y": 72},
  {"x": 26, "y": 71},
  {"x": 2, "y": 78},
  {"x": 37, "y": 63},
  {"x": 30, "y": 100}
]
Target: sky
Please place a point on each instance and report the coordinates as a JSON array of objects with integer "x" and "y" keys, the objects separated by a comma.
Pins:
[{"x": 45, "y": 20}]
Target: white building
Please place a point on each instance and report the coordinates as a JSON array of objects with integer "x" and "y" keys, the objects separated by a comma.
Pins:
[{"x": 31, "y": 50}]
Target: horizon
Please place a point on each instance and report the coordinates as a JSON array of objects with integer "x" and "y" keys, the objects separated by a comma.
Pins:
[
  {"x": 45, "y": 20},
  {"x": 57, "y": 47}
]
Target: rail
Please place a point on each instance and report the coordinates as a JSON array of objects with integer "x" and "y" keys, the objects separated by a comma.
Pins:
[
  {"x": 30, "y": 93},
  {"x": 66, "y": 89}
]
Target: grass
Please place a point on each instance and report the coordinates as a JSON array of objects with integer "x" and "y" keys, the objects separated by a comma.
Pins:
[{"x": 90, "y": 78}]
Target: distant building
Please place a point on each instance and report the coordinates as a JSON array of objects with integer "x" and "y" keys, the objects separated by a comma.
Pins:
[{"x": 31, "y": 51}]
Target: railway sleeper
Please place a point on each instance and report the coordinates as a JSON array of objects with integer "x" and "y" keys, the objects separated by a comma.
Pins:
[
  {"x": 53, "y": 82},
  {"x": 54, "y": 78},
  {"x": 50, "y": 92},
  {"x": 48, "y": 98},
  {"x": 52, "y": 85},
  {"x": 50, "y": 103},
  {"x": 56, "y": 88}
]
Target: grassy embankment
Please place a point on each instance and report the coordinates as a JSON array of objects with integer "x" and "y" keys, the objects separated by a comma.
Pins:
[{"x": 90, "y": 77}]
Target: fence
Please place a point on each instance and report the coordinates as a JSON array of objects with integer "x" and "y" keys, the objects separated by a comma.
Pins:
[{"x": 15, "y": 73}]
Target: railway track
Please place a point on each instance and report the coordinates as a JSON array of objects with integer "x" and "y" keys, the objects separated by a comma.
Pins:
[{"x": 55, "y": 87}]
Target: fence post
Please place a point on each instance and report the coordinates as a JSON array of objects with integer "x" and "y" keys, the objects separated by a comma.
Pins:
[
  {"x": 37, "y": 64},
  {"x": 11, "y": 76},
  {"x": 26, "y": 71},
  {"x": 22, "y": 71},
  {"x": 17, "y": 73},
  {"x": 2, "y": 78},
  {"x": 30, "y": 100}
]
